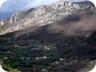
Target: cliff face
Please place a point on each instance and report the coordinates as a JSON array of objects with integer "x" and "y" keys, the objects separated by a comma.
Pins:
[{"x": 43, "y": 15}]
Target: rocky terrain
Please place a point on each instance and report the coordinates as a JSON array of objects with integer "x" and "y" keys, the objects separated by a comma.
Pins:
[
  {"x": 43, "y": 15},
  {"x": 59, "y": 37}
]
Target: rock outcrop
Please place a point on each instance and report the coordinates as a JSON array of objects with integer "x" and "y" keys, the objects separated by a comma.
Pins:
[{"x": 43, "y": 15}]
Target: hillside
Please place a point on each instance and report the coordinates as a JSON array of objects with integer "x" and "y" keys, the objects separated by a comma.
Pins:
[
  {"x": 43, "y": 15},
  {"x": 60, "y": 37}
]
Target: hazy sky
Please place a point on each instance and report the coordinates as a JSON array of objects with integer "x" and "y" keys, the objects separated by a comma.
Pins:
[{"x": 15, "y": 5}]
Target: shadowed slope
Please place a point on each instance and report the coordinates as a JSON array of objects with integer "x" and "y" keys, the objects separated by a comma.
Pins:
[{"x": 71, "y": 38}]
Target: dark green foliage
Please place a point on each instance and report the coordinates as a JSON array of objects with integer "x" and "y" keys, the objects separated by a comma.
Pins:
[{"x": 21, "y": 52}]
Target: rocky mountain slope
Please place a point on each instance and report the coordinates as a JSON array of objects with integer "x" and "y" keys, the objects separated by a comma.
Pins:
[
  {"x": 43, "y": 14},
  {"x": 59, "y": 37}
]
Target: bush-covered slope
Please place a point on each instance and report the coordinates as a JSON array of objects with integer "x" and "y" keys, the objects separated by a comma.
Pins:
[{"x": 67, "y": 45}]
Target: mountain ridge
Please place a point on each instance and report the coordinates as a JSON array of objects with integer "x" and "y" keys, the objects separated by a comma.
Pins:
[{"x": 43, "y": 14}]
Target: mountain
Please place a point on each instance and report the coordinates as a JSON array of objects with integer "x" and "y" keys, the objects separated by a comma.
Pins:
[
  {"x": 44, "y": 14},
  {"x": 60, "y": 37}
]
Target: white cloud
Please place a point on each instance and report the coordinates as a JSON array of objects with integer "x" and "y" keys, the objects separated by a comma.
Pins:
[{"x": 1, "y": 2}]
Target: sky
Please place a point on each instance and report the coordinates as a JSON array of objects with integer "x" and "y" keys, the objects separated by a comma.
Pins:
[
  {"x": 11, "y": 6},
  {"x": 16, "y": 5}
]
